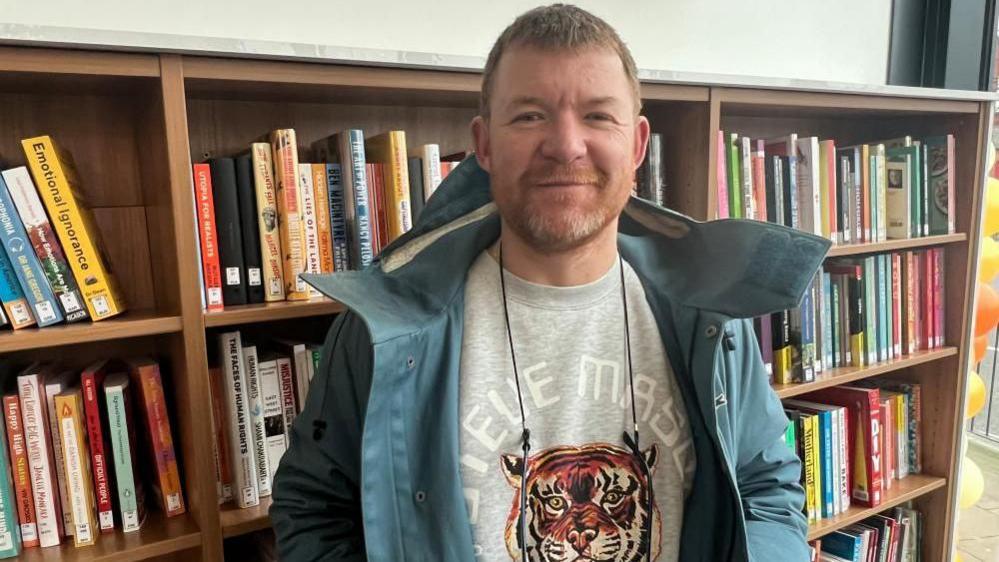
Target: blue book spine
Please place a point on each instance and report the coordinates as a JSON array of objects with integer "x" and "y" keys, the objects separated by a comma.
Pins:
[
  {"x": 843, "y": 545},
  {"x": 338, "y": 218},
  {"x": 10, "y": 532},
  {"x": 808, "y": 335},
  {"x": 827, "y": 321},
  {"x": 825, "y": 427},
  {"x": 884, "y": 325},
  {"x": 870, "y": 311},
  {"x": 25, "y": 262},
  {"x": 362, "y": 211},
  {"x": 14, "y": 303}
]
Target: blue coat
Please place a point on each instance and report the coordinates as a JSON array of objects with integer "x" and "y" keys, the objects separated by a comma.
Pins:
[{"x": 372, "y": 469}]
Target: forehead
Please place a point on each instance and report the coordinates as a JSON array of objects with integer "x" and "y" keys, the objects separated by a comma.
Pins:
[{"x": 560, "y": 74}]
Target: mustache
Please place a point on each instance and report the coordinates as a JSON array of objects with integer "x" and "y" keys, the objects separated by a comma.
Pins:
[{"x": 577, "y": 175}]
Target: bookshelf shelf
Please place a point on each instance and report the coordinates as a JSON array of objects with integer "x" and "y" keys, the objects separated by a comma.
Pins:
[
  {"x": 896, "y": 245},
  {"x": 844, "y": 375},
  {"x": 129, "y": 325},
  {"x": 159, "y": 536},
  {"x": 236, "y": 521},
  {"x": 908, "y": 488},
  {"x": 268, "y": 312}
]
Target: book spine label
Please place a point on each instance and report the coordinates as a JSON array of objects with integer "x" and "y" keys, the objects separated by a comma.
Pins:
[
  {"x": 285, "y": 150},
  {"x": 43, "y": 240},
  {"x": 224, "y": 473},
  {"x": 90, "y": 383},
  {"x": 59, "y": 188},
  {"x": 286, "y": 378},
  {"x": 273, "y": 414},
  {"x": 211, "y": 266},
  {"x": 78, "y": 481},
  {"x": 354, "y": 156},
  {"x": 240, "y": 438},
  {"x": 131, "y": 496},
  {"x": 323, "y": 227},
  {"x": 20, "y": 471},
  {"x": 40, "y": 461},
  {"x": 338, "y": 218},
  {"x": 267, "y": 223},
  {"x": 161, "y": 440},
  {"x": 256, "y": 405},
  {"x": 307, "y": 194}
]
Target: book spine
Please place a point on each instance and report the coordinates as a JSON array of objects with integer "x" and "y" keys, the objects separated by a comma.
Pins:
[
  {"x": 197, "y": 249},
  {"x": 827, "y": 320},
  {"x": 307, "y": 195},
  {"x": 376, "y": 207},
  {"x": 90, "y": 383},
  {"x": 882, "y": 185},
  {"x": 78, "y": 481},
  {"x": 256, "y": 405},
  {"x": 746, "y": 173},
  {"x": 272, "y": 265},
  {"x": 286, "y": 378},
  {"x": 58, "y": 184},
  {"x": 871, "y": 415},
  {"x": 248, "y": 227},
  {"x": 10, "y": 532},
  {"x": 41, "y": 462},
  {"x": 273, "y": 416},
  {"x": 939, "y": 291},
  {"x": 228, "y": 228},
  {"x": 884, "y": 307},
  {"x": 212, "y": 269},
  {"x": 835, "y": 465},
  {"x": 240, "y": 439},
  {"x": 897, "y": 296},
  {"x": 20, "y": 471},
  {"x": 825, "y": 421},
  {"x": 808, "y": 440},
  {"x": 431, "y": 169},
  {"x": 353, "y": 152},
  {"x": 50, "y": 390},
  {"x": 16, "y": 307},
  {"x": 734, "y": 167},
  {"x": 721, "y": 175},
  {"x": 323, "y": 227},
  {"x": 161, "y": 438},
  {"x": 338, "y": 220},
  {"x": 760, "y": 181},
  {"x": 26, "y": 265},
  {"x": 845, "y": 183},
  {"x": 416, "y": 198},
  {"x": 290, "y": 224},
  {"x": 121, "y": 426},
  {"x": 224, "y": 473},
  {"x": 396, "y": 187},
  {"x": 844, "y": 456},
  {"x": 43, "y": 240},
  {"x": 951, "y": 186}
]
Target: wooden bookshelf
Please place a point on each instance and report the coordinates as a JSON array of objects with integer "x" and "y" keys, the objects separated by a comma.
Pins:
[{"x": 135, "y": 122}]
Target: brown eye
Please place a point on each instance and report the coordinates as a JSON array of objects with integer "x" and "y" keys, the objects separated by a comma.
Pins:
[
  {"x": 556, "y": 503},
  {"x": 613, "y": 497}
]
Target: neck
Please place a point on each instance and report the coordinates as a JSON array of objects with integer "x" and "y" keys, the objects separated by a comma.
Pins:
[{"x": 578, "y": 266}]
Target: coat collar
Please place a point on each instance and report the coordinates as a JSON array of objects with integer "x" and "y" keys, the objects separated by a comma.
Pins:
[{"x": 739, "y": 268}]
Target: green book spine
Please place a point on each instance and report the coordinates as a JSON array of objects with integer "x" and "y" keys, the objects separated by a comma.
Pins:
[
  {"x": 734, "y": 178},
  {"x": 10, "y": 533},
  {"x": 870, "y": 309},
  {"x": 122, "y": 443},
  {"x": 836, "y": 324}
]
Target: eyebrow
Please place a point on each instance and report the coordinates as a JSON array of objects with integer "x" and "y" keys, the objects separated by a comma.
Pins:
[{"x": 533, "y": 100}]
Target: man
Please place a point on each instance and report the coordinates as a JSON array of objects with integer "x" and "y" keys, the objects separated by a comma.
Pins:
[{"x": 533, "y": 373}]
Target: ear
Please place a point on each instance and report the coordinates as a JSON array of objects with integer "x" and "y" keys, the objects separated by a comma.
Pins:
[
  {"x": 513, "y": 469},
  {"x": 480, "y": 138},
  {"x": 642, "y": 132},
  {"x": 651, "y": 456}
]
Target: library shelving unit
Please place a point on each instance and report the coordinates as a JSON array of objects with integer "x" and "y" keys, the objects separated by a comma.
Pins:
[{"x": 135, "y": 122}]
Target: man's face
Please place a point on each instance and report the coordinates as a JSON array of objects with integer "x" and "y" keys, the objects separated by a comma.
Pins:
[{"x": 561, "y": 144}]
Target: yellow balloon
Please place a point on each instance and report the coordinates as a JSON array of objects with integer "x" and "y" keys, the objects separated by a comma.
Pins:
[
  {"x": 991, "y": 207},
  {"x": 976, "y": 395},
  {"x": 988, "y": 266},
  {"x": 972, "y": 483}
]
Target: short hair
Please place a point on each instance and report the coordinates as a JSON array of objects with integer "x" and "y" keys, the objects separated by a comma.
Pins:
[{"x": 553, "y": 28}]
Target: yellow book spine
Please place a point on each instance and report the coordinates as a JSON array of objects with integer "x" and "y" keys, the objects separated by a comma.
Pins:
[
  {"x": 857, "y": 352},
  {"x": 285, "y": 154},
  {"x": 782, "y": 365},
  {"x": 390, "y": 149},
  {"x": 69, "y": 408},
  {"x": 809, "y": 466},
  {"x": 824, "y": 189},
  {"x": 322, "y": 201},
  {"x": 58, "y": 184},
  {"x": 817, "y": 466},
  {"x": 267, "y": 222}
]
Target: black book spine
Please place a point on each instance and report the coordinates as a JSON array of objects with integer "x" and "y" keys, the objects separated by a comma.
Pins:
[
  {"x": 230, "y": 237},
  {"x": 416, "y": 186},
  {"x": 250, "y": 229}
]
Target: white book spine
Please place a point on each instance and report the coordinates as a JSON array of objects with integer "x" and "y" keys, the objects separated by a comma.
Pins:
[
  {"x": 240, "y": 439},
  {"x": 302, "y": 360},
  {"x": 274, "y": 430},
  {"x": 256, "y": 404},
  {"x": 286, "y": 378},
  {"x": 313, "y": 262},
  {"x": 51, "y": 389},
  {"x": 746, "y": 155},
  {"x": 834, "y": 421},
  {"x": 844, "y": 483},
  {"x": 43, "y": 485},
  {"x": 76, "y": 483},
  {"x": 809, "y": 194},
  {"x": 431, "y": 169}
]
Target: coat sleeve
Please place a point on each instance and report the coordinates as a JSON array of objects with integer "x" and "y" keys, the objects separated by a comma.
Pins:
[
  {"x": 767, "y": 471},
  {"x": 316, "y": 509}
]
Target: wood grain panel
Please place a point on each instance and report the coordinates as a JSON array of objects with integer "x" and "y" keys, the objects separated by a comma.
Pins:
[
  {"x": 123, "y": 230},
  {"x": 685, "y": 129},
  {"x": 81, "y": 62}
]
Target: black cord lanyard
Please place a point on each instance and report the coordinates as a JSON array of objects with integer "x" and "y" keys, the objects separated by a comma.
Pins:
[{"x": 630, "y": 439}]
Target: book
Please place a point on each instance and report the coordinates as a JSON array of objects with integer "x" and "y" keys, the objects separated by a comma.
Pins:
[
  {"x": 10, "y": 532},
  {"x": 43, "y": 239},
  {"x": 41, "y": 459},
  {"x": 650, "y": 173},
  {"x": 59, "y": 186},
  {"x": 79, "y": 484},
  {"x": 338, "y": 220},
  {"x": 124, "y": 450},
  {"x": 223, "y": 474},
  {"x": 746, "y": 174},
  {"x": 902, "y": 171},
  {"x": 211, "y": 266},
  {"x": 389, "y": 150},
  {"x": 52, "y": 384},
  {"x": 829, "y": 202},
  {"x": 431, "y": 156},
  {"x": 734, "y": 168},
  {"x": 19, "y": 470},
  {"x": 376, "y": 202},
  {"x": 145, "y": 374},
  {"x": 828, "y": 452},
  {"x": 321, "y": 196},
  {"x": 228, "y": 228},
  {"x": 809, "y": 188},
  {"x": 249, "y": 228},
  {"x": 271, "y": 254},
  {"x": 284, "y": 146},
  {"x": 844, "y": 545},
  {"x": 286, "y": 378},
  {"x": 347, "y": 149},
  {"x": 940, "y": 183},
  {"x": 301, "y": 368},
  {"x": 416, "y": 197},
  {"x": 240, "y": 438},
  {"x": 197, "y": 250},
  {"x": 721, "y": 173},
  {"x": 879, "y": 182},
  {"x": 307, "y": 195},
  {"x": 91, "y": 385},
  {"x": 758, "y": 156},
  {"x": 255, "y": 402},
  {"x": 27, "y": 267},
  {"x": 273, "y": 412},
  {"x": 15, "y": 305}
]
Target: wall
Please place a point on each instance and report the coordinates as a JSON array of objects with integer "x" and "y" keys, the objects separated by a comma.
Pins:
[{"x": 842, "y": 41}]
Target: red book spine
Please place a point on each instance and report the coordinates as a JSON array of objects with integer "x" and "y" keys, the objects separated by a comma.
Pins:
[
  {"x": 938, "y": 295},
  {"x": 92, "y": 383},
  {"x": 209, "y": 244},
  {"x": 378, "y": 187},
  {"x": 373, "y": 208},
  {"x": 152, "y": 404},
  {"x": 19, "y": 470},
  {"x": 833, "y": 203},
  {"x": 896, "y": 302},
  {"x": 917, "y": 300},
  {"x": 722, "y": 179},
  {"x": 760, "y": 180},
  {"x": 930, "y": 314},
  {"x": 888, "y": 468}
]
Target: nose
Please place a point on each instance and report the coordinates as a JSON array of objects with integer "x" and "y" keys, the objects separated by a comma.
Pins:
[
  {"x": 565, "y": 140},
  {"x": 581, "y": 539}
]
